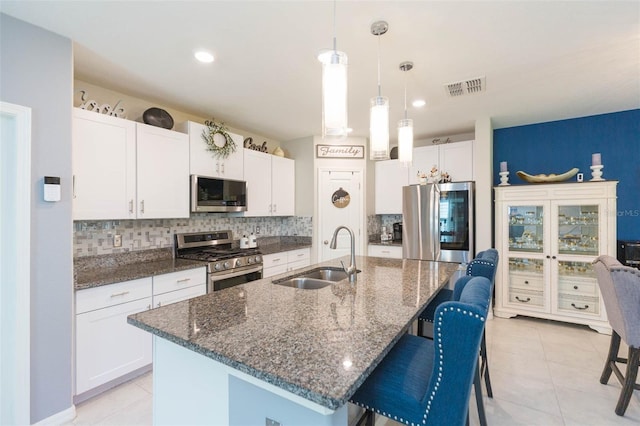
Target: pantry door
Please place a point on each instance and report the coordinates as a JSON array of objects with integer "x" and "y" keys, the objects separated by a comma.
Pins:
[{"x": 340, "y": 202}]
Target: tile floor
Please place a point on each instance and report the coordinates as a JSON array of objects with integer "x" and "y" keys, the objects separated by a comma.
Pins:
[{"x": 543, "y": 373}]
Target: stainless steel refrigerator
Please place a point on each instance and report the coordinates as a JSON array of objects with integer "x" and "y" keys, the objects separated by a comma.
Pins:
[{"x": 438, "y": 222}]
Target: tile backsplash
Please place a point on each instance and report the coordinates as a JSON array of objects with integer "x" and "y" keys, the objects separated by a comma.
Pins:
[{"x": 91, "y": 238}]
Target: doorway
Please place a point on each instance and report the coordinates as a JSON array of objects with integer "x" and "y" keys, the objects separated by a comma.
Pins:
[
  {"x": 15, "y": 209},
  {"x": 340, "y": 202}
]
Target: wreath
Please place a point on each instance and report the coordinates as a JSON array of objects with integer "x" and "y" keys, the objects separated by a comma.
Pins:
[{"x": 218, "y": 139}]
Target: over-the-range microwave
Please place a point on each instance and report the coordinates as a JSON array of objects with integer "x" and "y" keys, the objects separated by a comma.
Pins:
[{"x": 209, "y": 194}]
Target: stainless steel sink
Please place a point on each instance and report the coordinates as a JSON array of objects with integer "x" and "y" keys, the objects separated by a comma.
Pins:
[{"x": 314, "y": 279}]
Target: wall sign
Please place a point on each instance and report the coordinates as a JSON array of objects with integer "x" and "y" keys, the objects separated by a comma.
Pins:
[
  {"x": 339, "y": 151},
  {"x": 341, "y": 198},
  {"x": 248, "y": 143}
]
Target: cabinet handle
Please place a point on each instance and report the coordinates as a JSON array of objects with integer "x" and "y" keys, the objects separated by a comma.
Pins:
[
  {"x": 526, "y": 282},
  {"x": 159, "y": 304},
  {"x": 548, "y": 257},
  {"x": 142, "y": 206},
  {"x": 579, "y": 308},
  {"x": 184, "y": 280},
  {"x": 270, "y": 208},
  {"x": 149, "y": 306},
  {"x": 73, "y": 184},
  {"x": 131, "y": 206},
  {"x": 274, "y": 208},
  {"x": 120, "y": 294},
  {"x": 218, "y": 167},
  {"x": 522, "y": 300},
  {"x": 222, "y": 167},
  {"x": 300, "y": 254},
  {"x": 575, "y": 287},
  {"x": 553, "y": 257},
  {"x": 386, "y": 251},
  {"x": 277, "y": 260}
]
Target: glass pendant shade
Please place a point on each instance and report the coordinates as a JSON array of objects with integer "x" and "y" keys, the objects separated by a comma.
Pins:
[
  {"x": 405, "y": 140},
  {"x": 334, "y": 94},
  {"x": 379, "y": 128}
]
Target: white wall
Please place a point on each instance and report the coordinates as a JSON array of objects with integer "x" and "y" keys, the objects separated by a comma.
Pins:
[
  {"x": 37, "y": 72},
  {"x": 483, "y": 172}
]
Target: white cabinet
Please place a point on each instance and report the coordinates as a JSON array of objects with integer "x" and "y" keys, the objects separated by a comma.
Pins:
[
  {"x": 270, "y": 184},
  {"x": 127, "y": 170},
  {"x": 107, "y": 347},
  {"x": 455, "y": 158},
  {"x": 203, "y": 162},
  {"x": 547, "y": 236},
  {"x": 104, "y": 166},
  {"x": 177, "y": 286},
  {"x": 390, "y": 177},
  {"x": 279, "y": 263},
  {"x": 162, "y": 173},
  {"x": 392, "y": 252}
]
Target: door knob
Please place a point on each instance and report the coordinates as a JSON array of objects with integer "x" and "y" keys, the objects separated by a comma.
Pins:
[{"x": 326, "y": 242}]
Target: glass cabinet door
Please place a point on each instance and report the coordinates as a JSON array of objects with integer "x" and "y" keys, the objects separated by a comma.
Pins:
[
  {"x": 526, "y": 228},
  {"x": 578, "y": 230}
]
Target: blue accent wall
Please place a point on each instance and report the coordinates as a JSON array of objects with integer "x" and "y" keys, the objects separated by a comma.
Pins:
[{"x": 558, "y": 146}]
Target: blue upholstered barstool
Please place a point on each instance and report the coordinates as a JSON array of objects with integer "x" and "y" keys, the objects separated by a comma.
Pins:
[
  {"x": 485, "y": 265},
  {"x": 620, "y": 288},
  {"x": 428, "y": 382}
]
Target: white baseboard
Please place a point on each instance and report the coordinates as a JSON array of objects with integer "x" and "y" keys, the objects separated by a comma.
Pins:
[{"x": 59, "y": 418}]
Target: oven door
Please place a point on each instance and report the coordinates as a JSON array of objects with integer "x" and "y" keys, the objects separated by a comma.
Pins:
[{"x": 222, "y": 280}]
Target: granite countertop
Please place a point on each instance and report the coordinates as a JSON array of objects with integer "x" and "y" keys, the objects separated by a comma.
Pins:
[
  {"x": 95, "y": 271},
  {"x": 318, "y": 344}
]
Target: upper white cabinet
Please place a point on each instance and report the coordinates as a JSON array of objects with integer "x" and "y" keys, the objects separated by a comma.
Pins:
[
  {"x": 454, "y": 158},
  {"x": 104, "y": 166},
  {"x": 391, "y": 176},
  {"x": 162, "y": 173},
  {"x": 203, "y": 162},
  {"x": 270, "y": 184},
  {"x": 127, "y": 170}
]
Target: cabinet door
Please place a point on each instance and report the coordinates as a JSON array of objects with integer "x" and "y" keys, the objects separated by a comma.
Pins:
[
  {"x": 107, "y": 347},
  {"x": 162, "y": 173},
  {"x": 257, "y": 166},
  {"x": 578, "y": 237},
  {"x": 391, "y": 252},
  {"x": 179, "y": 295},
  {"x": 180, "y": 280},
  {"x": 232, "y": 167},
  {"x": 104, "y": 174},
  {"x": 391, "y": 176},
  {"x": 424, "y": 158},
  {"x": 201, "y": 161},
  {"x": 456, "y": 159},
  {"x": 283, "y": 186}
]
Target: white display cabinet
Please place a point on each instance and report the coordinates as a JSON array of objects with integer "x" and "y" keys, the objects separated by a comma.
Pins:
[{"x": 548, "y": 235}]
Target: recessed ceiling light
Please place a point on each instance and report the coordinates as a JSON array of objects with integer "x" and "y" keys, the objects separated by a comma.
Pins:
[
  {"x": 203, "y": 56},
  {"x": 419, "y": 103}
]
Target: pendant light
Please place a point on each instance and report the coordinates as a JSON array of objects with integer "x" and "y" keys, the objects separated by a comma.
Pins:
[
  {"x": 405, "y": 126},
  {"x": 379, "y": 113},
  {"x": 334, "y": 89}
]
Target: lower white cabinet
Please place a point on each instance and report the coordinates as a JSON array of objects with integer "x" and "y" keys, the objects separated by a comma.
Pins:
[
  {"x": 392, "y": 252},
  {"x": 107, "y": 347},
  {"x": 279, "y": 263}
]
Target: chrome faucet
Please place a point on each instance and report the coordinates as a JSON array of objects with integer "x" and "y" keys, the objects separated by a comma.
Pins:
[{"x": 351, "y": 270}]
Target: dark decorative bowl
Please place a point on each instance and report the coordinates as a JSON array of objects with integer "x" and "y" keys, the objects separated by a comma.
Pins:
[
  {"x": 394, "y": 153},
  {"x": 157, "y": 117}
]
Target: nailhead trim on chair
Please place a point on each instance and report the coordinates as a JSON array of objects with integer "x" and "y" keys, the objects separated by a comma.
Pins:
[
  {"x": 439, "y": 380},
  {"x": 480, "y": 262}
]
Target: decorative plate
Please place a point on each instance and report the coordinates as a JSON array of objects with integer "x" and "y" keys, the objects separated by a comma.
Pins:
[
  {"x": 157, "y": 117},
  {"x": 547, "y": 178}
]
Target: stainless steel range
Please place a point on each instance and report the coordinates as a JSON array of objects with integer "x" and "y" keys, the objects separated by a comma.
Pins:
[{"x": 228, "y": 265}]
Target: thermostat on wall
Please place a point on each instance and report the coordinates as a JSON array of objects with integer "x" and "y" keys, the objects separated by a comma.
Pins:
[{"x": 51, "y": 188}]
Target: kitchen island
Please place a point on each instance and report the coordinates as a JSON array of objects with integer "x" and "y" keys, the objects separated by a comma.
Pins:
[{"x": 296, "y": 356}]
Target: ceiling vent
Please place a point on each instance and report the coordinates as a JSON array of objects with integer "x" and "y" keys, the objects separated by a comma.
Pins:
[{"x": 466, "y": 87}]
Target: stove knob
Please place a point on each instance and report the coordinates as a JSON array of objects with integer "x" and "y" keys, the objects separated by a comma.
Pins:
[
  {"x": 258, "y": 259},
  {"x": 217, "y": 266},
  {"x": 249, "y": 260},
  {"x": 238, "y": 263},
  {"x": 226, "y": 265}
]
